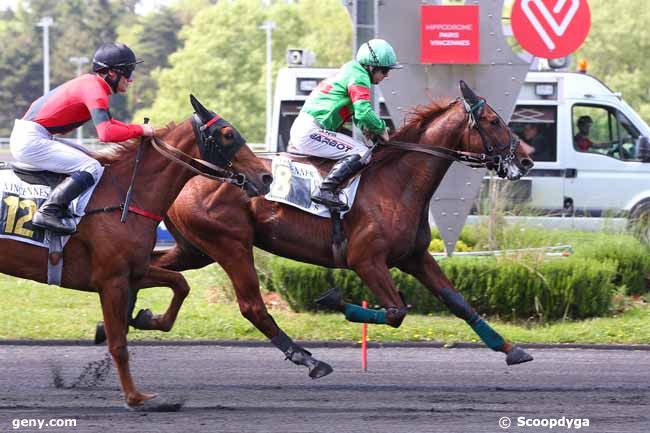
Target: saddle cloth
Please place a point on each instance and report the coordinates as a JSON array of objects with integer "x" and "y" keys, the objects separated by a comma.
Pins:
[
  {"x": 20, "y": 200},
  {"x": 295, "y": 182}
]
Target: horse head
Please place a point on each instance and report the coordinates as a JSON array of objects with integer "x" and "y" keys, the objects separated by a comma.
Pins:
[
  {"x": 490, "y": 135},
  {"x": 221, "y": 143}
]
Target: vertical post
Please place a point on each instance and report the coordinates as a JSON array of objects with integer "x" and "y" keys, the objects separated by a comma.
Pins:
[
  {"x": 268, "y": 26},
  {"x": 46, "y": 22},
  {"x": 364, "y": 341},
  {"x": 79, "y": 61}
]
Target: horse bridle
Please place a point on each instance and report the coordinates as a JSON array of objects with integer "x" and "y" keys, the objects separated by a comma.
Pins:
[
  {"x": 199, "y": 166},
  {"x": 491, "y": 158},
  {"x": 494, "y": 159},
  {"x": 211, "y": 148}
]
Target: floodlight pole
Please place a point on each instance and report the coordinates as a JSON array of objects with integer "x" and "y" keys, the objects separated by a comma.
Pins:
[
  {"x": 46, "y": 22},
  {"x": 268, "y": 26}
]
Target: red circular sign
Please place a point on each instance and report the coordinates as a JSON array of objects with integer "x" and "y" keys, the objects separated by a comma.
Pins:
[{"x": 550, "y": 28}]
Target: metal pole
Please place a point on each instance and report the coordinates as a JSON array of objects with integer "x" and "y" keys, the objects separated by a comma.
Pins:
[
  {"x": 268, "y": 26},
  {"x": 46, "y": 22},
  {"x": 79, "y": 61},
  {"x": 364, "y": 341}
]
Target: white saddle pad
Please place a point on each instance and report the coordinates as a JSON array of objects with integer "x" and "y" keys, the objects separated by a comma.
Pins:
[
  {"x": 20, "y": 201},
  {"x": 295, "y": 182}
]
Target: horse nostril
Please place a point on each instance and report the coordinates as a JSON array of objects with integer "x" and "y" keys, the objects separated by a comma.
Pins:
[
  {"x": 267, "y": 179},
  {"x": 527, "y": 163}
]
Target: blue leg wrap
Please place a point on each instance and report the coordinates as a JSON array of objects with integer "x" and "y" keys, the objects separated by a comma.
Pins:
[
  {"x": 355, "y": 313},
  {"x": 489, "y": 336},
  {"x": 459, "y": 306}
]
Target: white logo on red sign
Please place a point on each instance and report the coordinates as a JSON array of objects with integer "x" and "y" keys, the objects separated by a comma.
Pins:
[{"x": 550, "y": 28}]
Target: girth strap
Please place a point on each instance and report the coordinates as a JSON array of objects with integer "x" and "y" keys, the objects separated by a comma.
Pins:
[{"x": 132, "y": 209}]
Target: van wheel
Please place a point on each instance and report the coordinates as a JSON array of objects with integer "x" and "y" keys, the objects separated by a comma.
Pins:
[{"x": 639, "y": 221}]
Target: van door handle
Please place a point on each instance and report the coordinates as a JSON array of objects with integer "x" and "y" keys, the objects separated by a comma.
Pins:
[{"x": 571, "y": 172}]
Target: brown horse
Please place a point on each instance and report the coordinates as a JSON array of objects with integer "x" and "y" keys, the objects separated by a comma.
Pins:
[
  {"x": 109, "y": 257},
  {"x": 387, "y": 226}
]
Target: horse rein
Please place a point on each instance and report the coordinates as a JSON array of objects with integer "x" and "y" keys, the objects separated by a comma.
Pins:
[
  {"x": 175, "y": 155},
  {"x": 471, "y": 159}
]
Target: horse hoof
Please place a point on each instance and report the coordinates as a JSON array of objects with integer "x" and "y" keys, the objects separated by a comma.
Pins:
[
  {"x": 331, "y": 299},
  {"x": 142, "y": 320},
  {"x": 100, "y": 333},
  {"x": 518, "y": 356},
  {"x": 321, "y": 369},
  {"x": 156, "y": 404}
]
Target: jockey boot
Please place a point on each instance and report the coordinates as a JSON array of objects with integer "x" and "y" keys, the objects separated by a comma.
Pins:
[
  {"x": 343, "y": 170},
  {"x": 51, "y": 214}
]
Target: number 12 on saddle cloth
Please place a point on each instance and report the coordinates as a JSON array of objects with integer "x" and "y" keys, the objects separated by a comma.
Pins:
[{"x": 20, "y": 200}]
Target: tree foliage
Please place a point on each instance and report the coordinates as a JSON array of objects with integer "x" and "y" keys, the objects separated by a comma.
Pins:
[
  {"x": 223, "y": 57},
  {"x": 616, "y": 47},
  {"x": 21, "y": 75}
]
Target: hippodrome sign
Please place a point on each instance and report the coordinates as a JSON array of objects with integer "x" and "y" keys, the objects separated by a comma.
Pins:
[
  {"x": 550, "y": 28},
  {"x": 449, "y": 34}
]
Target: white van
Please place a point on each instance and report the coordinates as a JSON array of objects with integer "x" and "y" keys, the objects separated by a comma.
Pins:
[{"x": 602, "y": 171}]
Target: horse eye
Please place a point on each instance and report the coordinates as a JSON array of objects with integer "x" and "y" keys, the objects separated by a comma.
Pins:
[
  {"x": 494, "y": 122},
  {"x": 229, "y": 135}
]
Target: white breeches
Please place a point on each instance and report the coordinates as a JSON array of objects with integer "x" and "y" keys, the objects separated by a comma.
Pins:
[
  {"x": 35, "y": 148},
  {"x": 309, "y": 138}
]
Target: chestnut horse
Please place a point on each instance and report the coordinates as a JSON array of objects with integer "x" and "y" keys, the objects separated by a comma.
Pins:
[
  {"x": 387, "y": 226},
  {"x": 108, "y": 257}
]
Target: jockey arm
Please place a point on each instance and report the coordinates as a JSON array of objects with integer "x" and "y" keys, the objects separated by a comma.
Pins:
[
  {"x": 364, "y": 115},
  {"x": 109, "y": 129}
]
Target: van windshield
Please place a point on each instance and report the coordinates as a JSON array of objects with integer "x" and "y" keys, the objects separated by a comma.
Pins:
[{"x": 537, "y": 126}]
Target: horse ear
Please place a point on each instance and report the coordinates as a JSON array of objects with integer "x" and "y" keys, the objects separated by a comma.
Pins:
[
  {"x": 200, "y": 110},
  {"x": 467, "y": 92}
]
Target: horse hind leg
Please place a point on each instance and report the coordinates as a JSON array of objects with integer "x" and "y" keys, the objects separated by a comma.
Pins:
[
  {"x": 238, "y": 263},
  {"x": 376, "y": 277},
  {"x": 426, "y": 270}
]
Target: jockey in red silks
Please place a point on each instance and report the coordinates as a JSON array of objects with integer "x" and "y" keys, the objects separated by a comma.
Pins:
[
  {"x": 346, "y": 95},
  {"x": 65, "y": 108}
]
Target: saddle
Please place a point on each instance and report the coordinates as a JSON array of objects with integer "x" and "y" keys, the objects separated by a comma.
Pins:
[
  {"x": 296, "y": 177},
  {"x": 22, "y": 206},
  {"x": 37, "y": 177}
]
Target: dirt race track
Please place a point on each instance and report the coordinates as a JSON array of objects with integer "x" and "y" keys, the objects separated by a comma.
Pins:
[{"x": 410, "y": 390}]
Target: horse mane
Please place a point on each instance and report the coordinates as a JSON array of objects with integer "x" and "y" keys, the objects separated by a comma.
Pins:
[
  {"x": 416, "y": 122},
  {"x": 418, "y": 119},
  {"x": 113, "y": 152}
]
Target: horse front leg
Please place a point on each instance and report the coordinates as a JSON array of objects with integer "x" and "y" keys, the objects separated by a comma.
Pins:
[
  {"x": 114, "y": 301},
  {"x": 376, "y": 276},
  {"x": 159, "y": 277},
  {"x": 145, "y": 319},
  {"x": 428, "y": 272}
]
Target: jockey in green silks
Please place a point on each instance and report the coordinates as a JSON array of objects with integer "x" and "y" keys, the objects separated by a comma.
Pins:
[{"x": 344, "y": 96}]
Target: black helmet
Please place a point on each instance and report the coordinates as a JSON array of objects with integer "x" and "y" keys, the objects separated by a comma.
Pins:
[{"x": 116, "y": 56}]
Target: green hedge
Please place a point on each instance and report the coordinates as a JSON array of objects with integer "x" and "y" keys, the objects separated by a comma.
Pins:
[
  {"x": 631, "y": 255},
  {"x": 572, "y": 287}
]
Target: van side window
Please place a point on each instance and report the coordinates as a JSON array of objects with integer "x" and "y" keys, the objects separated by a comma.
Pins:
[
  {"x": 604, "y": 130},
  {"x": 537, "y": 126}
]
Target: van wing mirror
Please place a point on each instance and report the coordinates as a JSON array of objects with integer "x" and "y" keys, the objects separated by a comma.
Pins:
[{"x": 643, "y": 148}]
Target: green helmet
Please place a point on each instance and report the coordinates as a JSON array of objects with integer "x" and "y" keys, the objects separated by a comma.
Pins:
[{"x": 377, "y": 52}]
